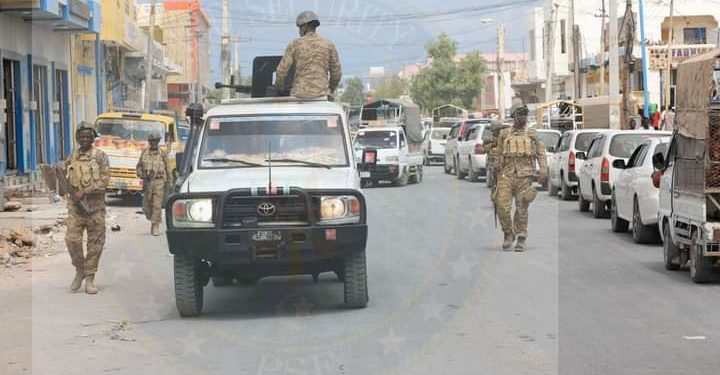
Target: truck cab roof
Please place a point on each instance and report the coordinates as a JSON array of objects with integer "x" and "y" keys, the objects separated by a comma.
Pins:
[{"x": 278, "y": 105}]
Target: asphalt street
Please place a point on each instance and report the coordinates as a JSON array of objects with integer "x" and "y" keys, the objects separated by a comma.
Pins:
[{"x": 443, "y": 300}]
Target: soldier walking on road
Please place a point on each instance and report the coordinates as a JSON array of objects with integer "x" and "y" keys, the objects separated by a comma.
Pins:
[
  {"x": 87, "y": 172},
  {"x": 316, "y": 62},
  {"x": 153, "y": 168},
  {"x": 518, "y": 151}
]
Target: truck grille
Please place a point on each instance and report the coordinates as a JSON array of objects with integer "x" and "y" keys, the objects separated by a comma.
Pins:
[
  {"x": 288, "y": 210},
  {"x": 123, "y": 173}
]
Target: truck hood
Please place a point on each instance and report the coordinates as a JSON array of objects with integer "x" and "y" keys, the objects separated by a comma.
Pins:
[{"x": 214, "y": 180}]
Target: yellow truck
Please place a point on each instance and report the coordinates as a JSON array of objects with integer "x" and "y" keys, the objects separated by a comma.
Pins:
[{"x": 122, "y": 135}]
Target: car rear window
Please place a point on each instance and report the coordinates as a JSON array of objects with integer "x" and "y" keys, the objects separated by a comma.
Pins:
[
  {"x": 582, "y": 142},
  {"x": 623, "y": 145},
  {"x": 549, "y": 139},
  {"x": 438, "y": 134}
]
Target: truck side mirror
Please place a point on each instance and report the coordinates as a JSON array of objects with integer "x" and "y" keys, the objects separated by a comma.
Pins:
[
  {"x": 195, "y": 113},
  {"x": 658, "y": 161},
  {"x": 619, "y": 164},
  {"x": 445, "y": 136},
  {"x": 580, "y": 155}
]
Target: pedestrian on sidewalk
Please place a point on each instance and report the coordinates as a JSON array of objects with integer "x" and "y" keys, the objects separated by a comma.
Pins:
[
  {"x": 518, "y": 151},
  {"x": 154, "y": 169},
  {"x": 87, "y": 172}
]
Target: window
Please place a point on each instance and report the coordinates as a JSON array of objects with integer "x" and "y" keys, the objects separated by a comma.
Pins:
[
  {"x": 531, "y": 39},
  {"x": 582, "y": 142},
  {"x": 695, "y": 35},
  {"x": 563, "y": 45},
  {"x": 623, "y": 145},
  {"x": 402, "y": 139},
  {"x": 636, "y": 160},
  {"x": 596, "y": 149},
  {"x": 564, "y": 142},
  {"x": 376, "y": 138},
  {"x": 472, "y": 134}
]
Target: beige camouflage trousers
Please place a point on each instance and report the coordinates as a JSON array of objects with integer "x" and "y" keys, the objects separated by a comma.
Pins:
[
  {"x": 153, "y": 200},
  {"x": 94, "y": 224},
  {"x": 520, "y": 189}
]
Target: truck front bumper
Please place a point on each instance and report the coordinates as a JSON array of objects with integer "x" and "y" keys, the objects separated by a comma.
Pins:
[{"x": 379, "y": 172}]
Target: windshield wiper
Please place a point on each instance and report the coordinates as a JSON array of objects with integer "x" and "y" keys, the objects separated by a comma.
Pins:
[
  {"x": 307, "y": 163},
  {"x": 229, "y": 160}
]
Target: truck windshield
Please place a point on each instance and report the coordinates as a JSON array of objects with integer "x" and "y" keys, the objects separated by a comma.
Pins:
[
  {"x": 623, "y": 145},
  {"x": 245, "y": 142},
  {"x": 136, "y": 131},
  {"x": 378, "y": 139}
]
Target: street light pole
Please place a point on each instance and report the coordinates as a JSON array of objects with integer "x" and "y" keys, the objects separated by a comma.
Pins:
[
  {"x": 500, "y": 61},
  {"x": 150, "y": 59}
]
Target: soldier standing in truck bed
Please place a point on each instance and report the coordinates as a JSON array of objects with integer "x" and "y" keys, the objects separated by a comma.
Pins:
[{"x": 316, "y": 62}]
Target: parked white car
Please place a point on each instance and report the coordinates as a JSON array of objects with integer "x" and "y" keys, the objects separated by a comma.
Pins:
[
  {"x": 598, "y": 174},
  {"x": 634, "y": 197},
  {"x": 435, "y": 147},
  {"x": 456, "y": 136},
  {"x": 472, "y": 158},
  {"x": 549, "y": 138},
  {"x": 564, "y": 166}
]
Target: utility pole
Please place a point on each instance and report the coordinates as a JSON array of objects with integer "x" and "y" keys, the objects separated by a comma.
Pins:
[
  {"x": 643, "y": 47},
  {"x": 602, "y": 51},
  {"x": 575, "y": 53},
  {"x": 628, "y": 102},
  {"x": 149, "y": 59},
  {"x": 225, "y": 52},
  {"x": 614, "y": 82},
  {"x": 550, "y": 55},
  {"x": 668, "y": 71},
  {"x": 500, "y": 67}
]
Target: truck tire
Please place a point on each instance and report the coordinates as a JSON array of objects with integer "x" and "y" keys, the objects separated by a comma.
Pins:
[
  {"x": 472, "y": 175},
  {"x": 670, "y": 251},
  {"x": 617, "y": 224},
  {"x": 599, "y": 211},
  {"x": 700, "y": 267},
  {"x": 445, "y": 166},
  {"x": 458, "y": 171},
  {"x": 355, "y": 280},
  {"x": 403, "y": 179},
  {"x": 643, "y": 234},
  {"x": 552, "y": 190},
  {"x": 188, "y": 285},
  {"x": 565, "y": 190},
  {"x": 221, "y": 281},
  {"x": 583, "y": 205}
]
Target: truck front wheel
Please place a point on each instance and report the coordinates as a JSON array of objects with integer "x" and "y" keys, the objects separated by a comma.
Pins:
[
  {"x": 188, "y": 285},
  {"x": 670, "y": 251},
  {"x": 355, "y": 279},
  {"x": 700, "y": 267}
]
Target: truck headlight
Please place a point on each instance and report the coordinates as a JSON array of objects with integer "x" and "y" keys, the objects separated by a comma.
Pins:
[
  {"x": 339, "y": 210},
  {"x": 392, "y": 158},
  {"x": 193, "y": 213}
]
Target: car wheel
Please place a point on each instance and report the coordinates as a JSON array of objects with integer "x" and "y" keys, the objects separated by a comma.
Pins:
[
  {"x": 565, "y": 190},
  {"x": 420, "y": 175},
  {"x": 446, "y": 167},
  {"x": 618, "y": 224},
  {"x": 221, "y": 281},
  {"x": 458, "y": 171},
  {"x": 472, "y": 175},
  {"x": 670, "y": 251},
  {"x": 700, "y": 267},
  {"x": 188, "y": 285},
  {"x": 552, "y": 190},
  {"x": 355, "y": 280},
  {"x": 403, "y": 179},
  {"x": 583, "y": 205},
  {"x": 642, "y": 234},
  {"x": 599, "y": 210}
]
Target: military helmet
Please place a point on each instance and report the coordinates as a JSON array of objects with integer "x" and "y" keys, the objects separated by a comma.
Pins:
[
  {"x": 518, "y": 105},
  {"x": 306, "y": 17},
  {"x": 83, "y": 126},
  {"x": 154, "y": 135}
]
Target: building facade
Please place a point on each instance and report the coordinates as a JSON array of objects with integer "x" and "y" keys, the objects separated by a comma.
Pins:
[{"x": 37, "y": 70}]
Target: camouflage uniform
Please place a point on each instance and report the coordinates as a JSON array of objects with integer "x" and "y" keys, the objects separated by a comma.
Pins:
[
  {"x": 317, "y": 67},
  {"x": 154, "y": 169},
  {"x": 518, "y": 149},
  {"x": 88, "y": 172},
  {"x": 490, "y": 145}
]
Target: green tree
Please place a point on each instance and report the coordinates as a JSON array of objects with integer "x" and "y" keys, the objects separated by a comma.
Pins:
[
  {"x": 354, "y": 93},
  {"x": 391, "y": 89},
  {"x": 446, "y": 81}
]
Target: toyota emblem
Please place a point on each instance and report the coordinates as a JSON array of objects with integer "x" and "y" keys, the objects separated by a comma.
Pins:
[{"x": 266, "y": 209}]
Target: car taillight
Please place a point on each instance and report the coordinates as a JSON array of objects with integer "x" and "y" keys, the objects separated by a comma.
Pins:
[
  {"x": 605, "y": 170},
  {"x": 571, "y": 162},
  {"x": 656, "y": 177},
  {"x": 479, "y": 150}
]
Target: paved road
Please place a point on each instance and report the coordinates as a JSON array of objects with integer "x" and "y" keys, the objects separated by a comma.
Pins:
[{"x": 582, "y": 300}]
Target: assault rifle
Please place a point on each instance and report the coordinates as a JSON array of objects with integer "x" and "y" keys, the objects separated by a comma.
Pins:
[{"x": 62, "y": 180}]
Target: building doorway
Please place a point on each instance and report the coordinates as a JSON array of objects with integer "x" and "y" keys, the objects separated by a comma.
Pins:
[
  {"x": 38, "y": 97},
  {"x": 11, "y": 70},
  {"x": 61, "y": 92}
]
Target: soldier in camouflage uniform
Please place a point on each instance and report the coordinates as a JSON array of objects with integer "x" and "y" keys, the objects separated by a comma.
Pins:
[
  {"x": 490, "y": 144},
  {"x": 154, "y": 169},
  {"x": 316, "y": 62},
  {"x": 88, "y": 172},
  {"x": 518, "y": 150}
]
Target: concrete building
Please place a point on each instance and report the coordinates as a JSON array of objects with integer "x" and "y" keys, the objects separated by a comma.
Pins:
[
  {"x": 186, "y": 27},
  {"x": 37, "y": 108}
]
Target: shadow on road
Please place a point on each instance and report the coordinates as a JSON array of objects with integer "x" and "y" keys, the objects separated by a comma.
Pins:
[{"x": 125, "y": 201}]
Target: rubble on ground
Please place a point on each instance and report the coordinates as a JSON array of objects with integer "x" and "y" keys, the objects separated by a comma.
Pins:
[
  {"x": 12, "y": 206},
  {"x": 20, "y": 244}
]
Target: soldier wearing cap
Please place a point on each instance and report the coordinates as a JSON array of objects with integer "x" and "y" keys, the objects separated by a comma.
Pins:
[
  {"x": 88, "y": 172},
  {"x": 518, "y": 151},
  {"x": 316, "y": 62},
  {"x": 154, "y": 169}
]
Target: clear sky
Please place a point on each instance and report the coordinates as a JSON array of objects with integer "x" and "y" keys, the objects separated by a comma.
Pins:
[{"x": 367, "y": 33}]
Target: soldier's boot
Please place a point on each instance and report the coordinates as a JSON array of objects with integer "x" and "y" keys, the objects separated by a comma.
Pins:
[
  {"x": 521, "y": 244},
  {"x": 155, "y": 229},
  {"x": 90, "y": 287},
  {"x": 508, "y": 241},
  {"x": 77, "y": 281}
]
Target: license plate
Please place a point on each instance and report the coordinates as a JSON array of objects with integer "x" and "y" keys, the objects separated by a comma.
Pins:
[
  {"x": 267, "y": 236},
  {"x": 365, "y": 174}
]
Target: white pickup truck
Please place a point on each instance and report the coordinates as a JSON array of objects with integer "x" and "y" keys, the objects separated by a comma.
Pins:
[{"x": 395, "y": 160}]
